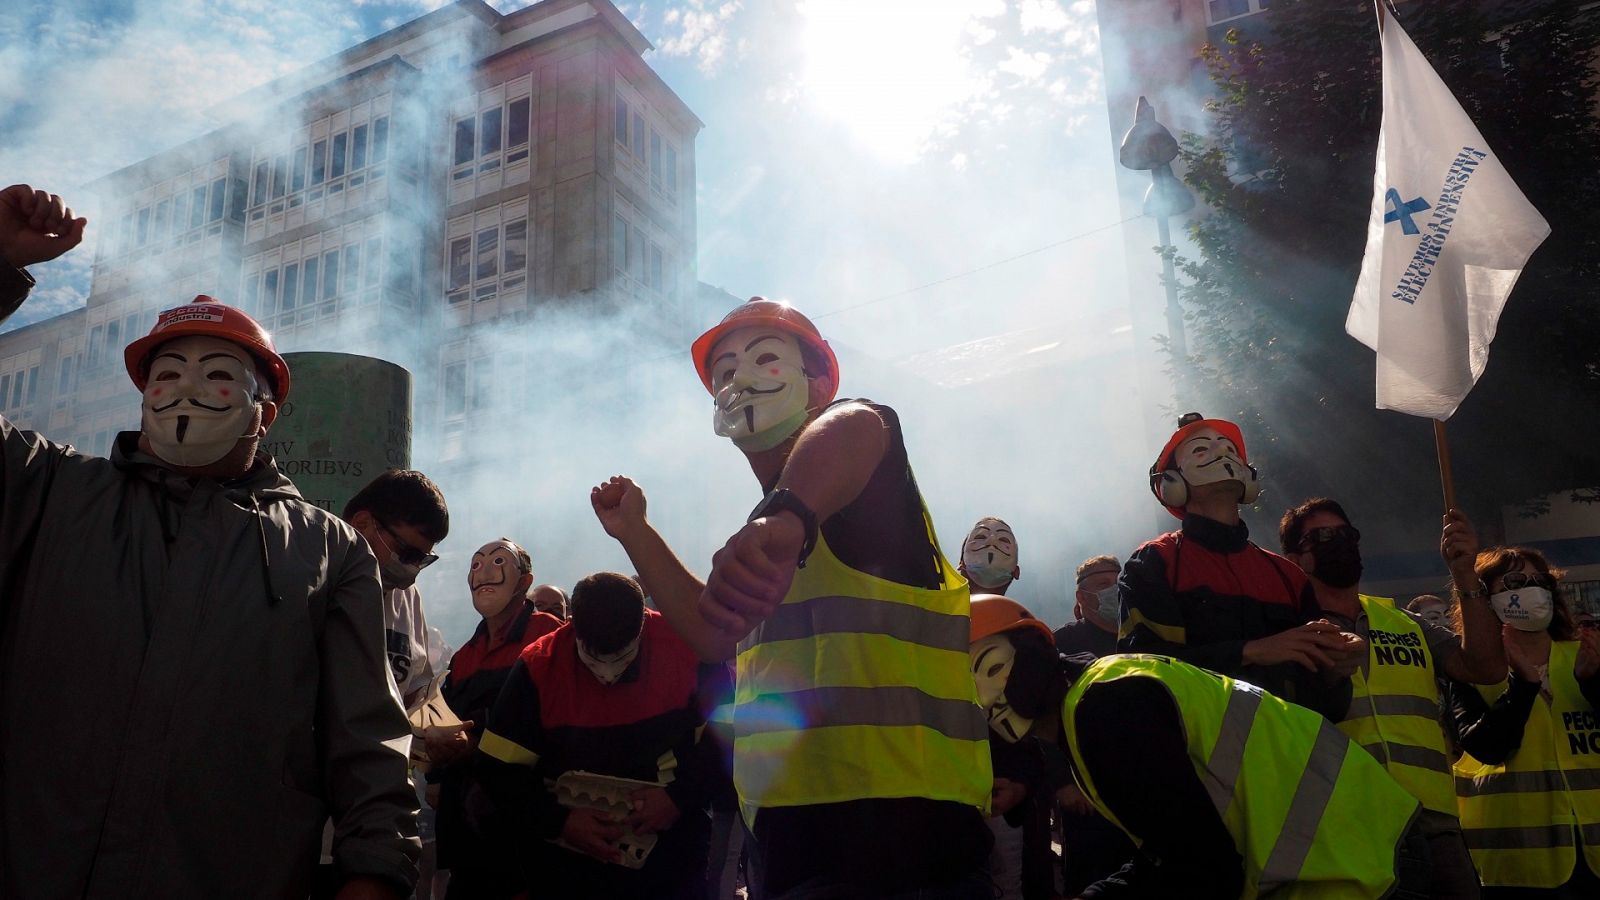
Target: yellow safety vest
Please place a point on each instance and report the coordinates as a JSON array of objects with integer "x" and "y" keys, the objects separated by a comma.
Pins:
[
  {"x": 1312, "y": 816},
  {"x": 859, "y": 688},
  {"x": 1521, "y": 818},
  {"x": 1394, "y": 706}
]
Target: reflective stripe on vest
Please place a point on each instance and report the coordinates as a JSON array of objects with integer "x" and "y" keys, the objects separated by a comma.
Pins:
[
  {"x": 1524, "y": 819},
  {"x": 1394, "y": 706},
  {"x": 1330, "y": 827},
  {"x": 858, "y": 688}
]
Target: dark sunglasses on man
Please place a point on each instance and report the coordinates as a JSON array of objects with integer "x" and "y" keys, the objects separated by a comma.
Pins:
[
  {"x": 407, "y": 554},
  {"x": 1329, "y": 533}
]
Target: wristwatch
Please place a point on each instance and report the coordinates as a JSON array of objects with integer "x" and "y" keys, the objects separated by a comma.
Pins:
[
  {"x": 1481, "y": 591},
  {"x": 785, "y": 500}
]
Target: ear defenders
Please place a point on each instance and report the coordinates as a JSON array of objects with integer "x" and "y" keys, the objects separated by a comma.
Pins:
[{"x": 1170, "y": 487}]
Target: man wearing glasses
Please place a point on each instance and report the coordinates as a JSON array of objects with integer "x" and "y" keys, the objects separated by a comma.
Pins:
[
  {"x": 402, "y": 515},
  {"x": 1394, "y": 703}
]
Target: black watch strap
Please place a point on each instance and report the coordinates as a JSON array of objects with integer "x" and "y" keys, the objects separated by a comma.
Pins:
[{"x": 785, "y": 500}]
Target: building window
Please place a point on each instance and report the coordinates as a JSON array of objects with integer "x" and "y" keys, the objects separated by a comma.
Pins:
[
  {"x": 460, "y": 269},
  {"x": 480, "y": 387},
  {"x": 455, "y": 390},
  {"x": 517, "y": 130},
  {"x": 291, "y": 286},
  {"x": 319, "y": 165},
  {"x": 487, "y": 254},
  {"x": 672, "y": 173},
  {"x": 1219, "y": 11},
  {"x": 480, "y": 139},
  {"x": 620, "y": 125},
  {"x": 327, "y": 165}
]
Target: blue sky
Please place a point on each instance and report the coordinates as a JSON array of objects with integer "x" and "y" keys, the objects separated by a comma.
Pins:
[{"x": 854, "y": 150}]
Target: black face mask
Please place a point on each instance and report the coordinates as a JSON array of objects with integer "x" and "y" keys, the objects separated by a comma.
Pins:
[{"x": 1338, "y": 562}]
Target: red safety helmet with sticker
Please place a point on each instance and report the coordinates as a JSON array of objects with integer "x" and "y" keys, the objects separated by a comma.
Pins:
[
  {"x": 757, "y": 312},
  {"x": 208, "y": 316}
]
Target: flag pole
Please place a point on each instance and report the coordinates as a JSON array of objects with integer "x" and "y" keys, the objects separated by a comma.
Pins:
[{"x": 1442, "y": 443}]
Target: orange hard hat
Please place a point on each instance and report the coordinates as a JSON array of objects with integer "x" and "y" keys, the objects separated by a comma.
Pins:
[
  {"x": 759, "y": 311},
  {"x": 993, "y": 614},
  {"x": 212, "y": 318}
]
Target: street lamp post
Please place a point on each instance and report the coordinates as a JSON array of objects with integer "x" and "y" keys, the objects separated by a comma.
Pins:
[{"x": 1149, "y": 146}]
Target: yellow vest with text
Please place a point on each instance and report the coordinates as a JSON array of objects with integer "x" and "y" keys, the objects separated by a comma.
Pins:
[
  {"x": 1311, "y": 815},
  {"x": 859, "y": 688},
  {"x": 1394, "y": 706},
  {"x": 1523, "y": 819}
]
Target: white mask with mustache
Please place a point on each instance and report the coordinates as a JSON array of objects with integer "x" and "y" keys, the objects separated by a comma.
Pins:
[
  {"x": 759, "y": 382},
  {"x": 1208, "y": 457},
  {"x": 989, "y": 555},
  {"x": 199, "y": 400}
]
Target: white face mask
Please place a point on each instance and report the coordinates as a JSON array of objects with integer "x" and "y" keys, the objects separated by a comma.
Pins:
[
  {"x": 989, "y": 555},
  {"x": 1526, "y": 609},
  {"x": 759, "y": 380},
  {"x": 1208, "y": 457},
  {"x": 992, "y": 660},
  {"x": 199, "y": 401},
  {"x": 1110, "y": 605},
  {"x": 494, "y": 577},
  {"x": 609, "y": 667}
]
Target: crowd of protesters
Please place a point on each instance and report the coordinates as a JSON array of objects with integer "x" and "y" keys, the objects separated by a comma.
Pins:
[{"x": 833, "y": 710}]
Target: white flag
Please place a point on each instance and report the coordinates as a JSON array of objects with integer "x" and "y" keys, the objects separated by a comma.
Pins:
[{"x": 1448, "y": 235}]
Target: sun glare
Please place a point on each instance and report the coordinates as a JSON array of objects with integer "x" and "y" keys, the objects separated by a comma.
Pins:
[{"x": 894, "y": 72}]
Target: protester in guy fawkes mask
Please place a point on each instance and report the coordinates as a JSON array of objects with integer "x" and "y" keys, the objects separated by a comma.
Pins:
[
  {"x": 1530, "y": 834},
  {"x": 1395, "y": 683},
  {"x": 403, "y": 516},
  {"x": 480, "y": 858},
  {"x": 835, "y": 587},
  {"x": 193, "y": 662},
  {"x": 1211, "y": 597},
  {"x": 1430, "y": 608},
  {"x": 989, "y": 556},
  {"x": 1014, "y": 666},
  {"x": 615, "y": 692}
]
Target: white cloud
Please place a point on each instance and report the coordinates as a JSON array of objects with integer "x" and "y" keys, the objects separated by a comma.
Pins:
[
  {"x": 699, "y": 31},
  {"x": 1045, "y": 15},
  {"x": 1029, "y": 67}
]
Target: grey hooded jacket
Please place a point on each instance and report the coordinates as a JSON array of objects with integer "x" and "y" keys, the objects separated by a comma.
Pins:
[{"x": 192, "y": 680}]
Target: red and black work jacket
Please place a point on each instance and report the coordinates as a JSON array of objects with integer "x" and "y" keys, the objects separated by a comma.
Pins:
[
  {"x": 477, "y": 672},
  {"x": 554, "y": 716},
  {"x": 1201, "y": 593}
]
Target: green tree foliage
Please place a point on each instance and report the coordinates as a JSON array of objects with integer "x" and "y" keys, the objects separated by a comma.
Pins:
[{"x": 1287, "y": 176}]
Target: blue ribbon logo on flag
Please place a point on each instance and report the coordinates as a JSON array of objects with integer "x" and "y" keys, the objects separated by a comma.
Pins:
[{"x": 1402, "y": 210}]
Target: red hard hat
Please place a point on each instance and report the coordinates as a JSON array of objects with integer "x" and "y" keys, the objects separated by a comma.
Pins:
[
  {"x": 761, "y": 311},
  {"x": 207, "y": 316},
  {"x": 993, "y": 614},
  {"x": 1187, "y": 426}
]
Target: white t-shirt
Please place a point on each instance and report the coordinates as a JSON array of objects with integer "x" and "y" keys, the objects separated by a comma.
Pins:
[{"x": 405, "y": 636}]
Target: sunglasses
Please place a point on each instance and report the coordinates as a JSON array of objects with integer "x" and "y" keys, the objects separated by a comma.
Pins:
[
  {"x": 1329, "y": 533},
  {"x": 407, "y": 554},
  {"x": 1516, "y": 581}
]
